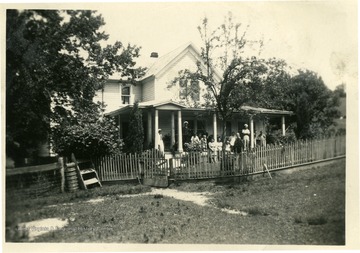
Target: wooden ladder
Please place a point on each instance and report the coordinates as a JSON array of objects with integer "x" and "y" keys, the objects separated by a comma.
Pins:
[{"x": 88, "y": 175}]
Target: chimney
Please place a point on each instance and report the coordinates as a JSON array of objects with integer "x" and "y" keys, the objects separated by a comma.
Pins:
[{"x": 154, "y": 55}]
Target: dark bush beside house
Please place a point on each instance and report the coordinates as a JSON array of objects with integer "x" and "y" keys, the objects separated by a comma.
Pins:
[
  {"x": 134, "y": 140},
  {"x": 87, "y": 134}
]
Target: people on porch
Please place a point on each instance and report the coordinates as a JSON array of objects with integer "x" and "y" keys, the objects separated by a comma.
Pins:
[
  {"x": 262, "y": 139},
  {"x": 238, "y": 145},
  {"x": 213, "y": 150},
  {"x": 227, "y": 146},
  {"x": 195, "y": 140},
  {"x": 246, "y": 138},
  {"x": 232, "y": 141},
  {"x": 219, "y": 143},
  {"x": 160, "y": 141},
  {"x": 186, "y": 132},
  {"x": 203, "y": 143}
]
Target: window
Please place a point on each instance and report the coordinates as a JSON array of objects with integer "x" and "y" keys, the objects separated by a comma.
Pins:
[
  {"x": 125, "y": 95},
  {"x": 189, "y": 91},
  {"x": 183, "y": 88}
]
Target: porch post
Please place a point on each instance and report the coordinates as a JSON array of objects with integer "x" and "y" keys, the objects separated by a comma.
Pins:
[
  {"x": 156, "y": 128},
  {"x": 215, "y": 127},
  {"x": 251, "y": 132},
  {"x": 283, "y": 125},
  {"x": 180, "y": 141},
  {"x": 172, "y": 128},
  {"x": 149, "y": 128}
]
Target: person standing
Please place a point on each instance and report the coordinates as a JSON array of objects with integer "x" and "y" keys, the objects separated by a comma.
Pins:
[
  {"x": 238, "y": 145},
  {"x": 204, "y": 143},
  {"x": 212, "y": 149},
  {"x": 246, "y": 137},
  {"x": 160, "y": 141},
  {"x": 232, "y": 141},
  {"x": 262, "y": 139}
]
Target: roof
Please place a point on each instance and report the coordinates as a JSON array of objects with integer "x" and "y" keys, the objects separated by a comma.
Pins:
[
  {"x": 157, "y": 103},
  {"x": 265, "y": 111},
  {"x": 156, "y": 65},
  {"x": 143, "y": 105}
]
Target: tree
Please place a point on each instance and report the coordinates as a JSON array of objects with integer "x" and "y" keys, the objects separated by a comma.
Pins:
[
  {"x": 55, "y": 62},
  {"x": 134, "y": 140},
  {"x": 314, "y": 104},
  {"x": 221, "y": 52}
]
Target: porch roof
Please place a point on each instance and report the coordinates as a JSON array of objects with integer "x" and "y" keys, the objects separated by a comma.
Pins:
[
  {"x": 250, "y": 109},
  {"x": 148, "y": 104},
  {"x": 177, "y": 106}
]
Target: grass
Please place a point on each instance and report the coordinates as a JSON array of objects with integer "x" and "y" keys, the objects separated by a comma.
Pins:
[{"x": 282, "y": 210}]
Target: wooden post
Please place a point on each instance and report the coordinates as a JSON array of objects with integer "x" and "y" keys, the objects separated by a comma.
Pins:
[
  {"x": 180, "y": 141},
  {"x": 215, "y": 127},
  {"x": 62, "y": 173},
  {"x": 283, "y": 125},
  {"x": 172, "y": 129},
  {"x": 251, "y": 132},
  {"x": 156, "y": 128},
  {"x": 149, "y": 128}
]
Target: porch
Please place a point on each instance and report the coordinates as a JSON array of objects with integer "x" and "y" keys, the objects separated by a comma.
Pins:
[{"x": 170, "y": 117}]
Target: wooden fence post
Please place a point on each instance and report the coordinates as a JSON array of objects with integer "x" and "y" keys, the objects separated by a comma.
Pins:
[{"x": 62, "y": 173}]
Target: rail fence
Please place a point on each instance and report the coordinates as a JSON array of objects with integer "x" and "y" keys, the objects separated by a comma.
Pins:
[
  {"x": 197, "y": 165},
  {"x": 33, "y": 181}
]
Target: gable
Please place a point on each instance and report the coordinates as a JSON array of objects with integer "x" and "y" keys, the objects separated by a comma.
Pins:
[{"x": 166, "y": 62}]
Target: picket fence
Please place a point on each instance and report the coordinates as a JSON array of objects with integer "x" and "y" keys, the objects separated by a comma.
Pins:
[
  {"x": 131, "y": 166},
  {"x": 198, "y": 165}
]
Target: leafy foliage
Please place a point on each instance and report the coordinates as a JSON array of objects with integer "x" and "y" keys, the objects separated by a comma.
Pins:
[
  {"x": 55, "y": 58},
  {"x": 134, "y": 141},
  {"x": 86, "y": 134},
  {"x": 315, "y": 106}
]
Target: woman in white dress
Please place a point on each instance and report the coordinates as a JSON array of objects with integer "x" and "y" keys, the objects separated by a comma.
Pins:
[{"x": 160, "y": 141}]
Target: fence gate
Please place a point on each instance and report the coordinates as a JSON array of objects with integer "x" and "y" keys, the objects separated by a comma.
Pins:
[{"x": 155, "y": 171}]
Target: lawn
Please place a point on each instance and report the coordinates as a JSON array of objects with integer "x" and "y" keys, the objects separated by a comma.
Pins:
[{"x": 305, "y": 207}]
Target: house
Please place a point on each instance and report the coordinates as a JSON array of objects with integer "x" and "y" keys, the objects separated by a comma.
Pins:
[{"x": 165, "y": 105}]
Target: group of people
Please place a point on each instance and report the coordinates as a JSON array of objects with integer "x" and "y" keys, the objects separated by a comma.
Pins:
[{"x": 236, "y": 143}]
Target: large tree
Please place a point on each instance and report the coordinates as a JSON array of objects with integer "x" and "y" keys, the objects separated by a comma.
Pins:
[
  {"x": 55, "y": 61},
  {"x": 314, "y": 104},
  {"x": 221, "y": 56}
]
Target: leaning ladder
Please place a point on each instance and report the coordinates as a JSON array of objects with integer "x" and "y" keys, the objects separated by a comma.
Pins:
[{"x": 87, "y": 176}]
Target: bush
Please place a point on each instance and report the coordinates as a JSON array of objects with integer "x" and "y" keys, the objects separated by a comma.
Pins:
[{"x": 86, "y": 134}]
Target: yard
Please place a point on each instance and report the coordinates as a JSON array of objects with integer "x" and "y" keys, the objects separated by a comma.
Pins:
[{"x": 303, "y": 207}]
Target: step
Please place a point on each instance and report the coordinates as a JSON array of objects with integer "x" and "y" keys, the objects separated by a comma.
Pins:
[
  {"x": 91, "y": 181},
  {"x": 87, "y": 171}
]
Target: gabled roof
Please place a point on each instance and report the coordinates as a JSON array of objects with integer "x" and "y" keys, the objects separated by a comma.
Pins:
[
  {"x": 160, "y": 64},
  {"x": 143, "y": 105}
]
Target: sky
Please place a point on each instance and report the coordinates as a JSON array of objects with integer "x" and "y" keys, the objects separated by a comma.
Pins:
[{"x": 320, "y": 36}]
